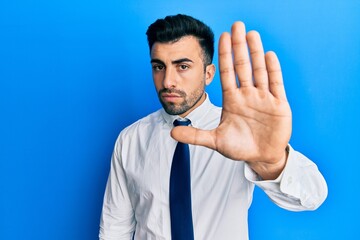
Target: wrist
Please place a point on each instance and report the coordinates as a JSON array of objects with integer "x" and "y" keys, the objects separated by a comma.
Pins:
[{"x": 270, "y": 171}]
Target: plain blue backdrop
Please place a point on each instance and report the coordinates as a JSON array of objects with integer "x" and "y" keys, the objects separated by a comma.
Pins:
[{"x": 74, "y": 73}]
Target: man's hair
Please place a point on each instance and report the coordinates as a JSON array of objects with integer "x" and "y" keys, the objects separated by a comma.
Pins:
[{"x": 172, "y": 28}]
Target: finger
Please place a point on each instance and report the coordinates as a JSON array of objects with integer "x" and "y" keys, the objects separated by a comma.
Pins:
[
  {"x": 241, "y": 55},
  {"x": 226, "y": 66},
  {"x": 258, "y": 60},
  {"x": 276, "y": 83},
  {"x": 193, "y": 136}
]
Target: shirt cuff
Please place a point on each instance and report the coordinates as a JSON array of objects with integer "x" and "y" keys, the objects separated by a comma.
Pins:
[
  {"x": 300, "y": 186},
  {"x": 272, "y": 185}
]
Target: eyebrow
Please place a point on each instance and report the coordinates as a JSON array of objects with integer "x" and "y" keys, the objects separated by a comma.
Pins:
[{"x": 177, "y": 61}]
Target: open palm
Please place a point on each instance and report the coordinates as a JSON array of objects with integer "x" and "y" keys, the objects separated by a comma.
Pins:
[{"x": 256, "y": 120}]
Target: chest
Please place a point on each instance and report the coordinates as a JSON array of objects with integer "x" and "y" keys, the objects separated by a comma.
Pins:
[{"x": 148, "y": 166}]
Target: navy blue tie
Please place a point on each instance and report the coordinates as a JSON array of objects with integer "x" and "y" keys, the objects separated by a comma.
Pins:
[{"x": 180, "y": 192}]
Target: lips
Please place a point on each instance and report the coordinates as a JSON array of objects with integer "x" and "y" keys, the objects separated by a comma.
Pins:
[{"x": 170, "y": 97}]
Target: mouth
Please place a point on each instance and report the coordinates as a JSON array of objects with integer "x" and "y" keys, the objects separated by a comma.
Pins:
[{"x": 170, "y": 97}]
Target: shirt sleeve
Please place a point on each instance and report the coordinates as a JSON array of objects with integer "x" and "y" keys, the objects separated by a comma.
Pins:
[
  {"x": 299, "y": 187},
  {"x": 117, "y": 217}
]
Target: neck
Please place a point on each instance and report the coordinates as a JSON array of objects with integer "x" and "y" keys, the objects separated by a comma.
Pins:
[{"x": 197, "y": 104}]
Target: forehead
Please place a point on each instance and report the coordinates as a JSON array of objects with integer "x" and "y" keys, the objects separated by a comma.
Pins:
[{"x": 188, "y": 47}]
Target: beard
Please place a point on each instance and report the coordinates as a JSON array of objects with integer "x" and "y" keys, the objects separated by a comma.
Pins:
[{"x": 188, "y": 102}]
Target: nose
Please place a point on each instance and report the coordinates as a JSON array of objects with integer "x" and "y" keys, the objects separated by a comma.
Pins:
[{"x": 170, "y": 78}]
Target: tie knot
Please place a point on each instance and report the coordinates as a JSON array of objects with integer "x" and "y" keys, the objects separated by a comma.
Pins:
[{"x": 182, "y": 123}]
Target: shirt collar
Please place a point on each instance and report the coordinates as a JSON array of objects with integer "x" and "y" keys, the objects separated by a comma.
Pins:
[{"x": 194, "y": 116}]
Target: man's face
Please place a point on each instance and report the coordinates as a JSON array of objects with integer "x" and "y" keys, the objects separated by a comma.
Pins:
[{"x": 179, "y": 75}]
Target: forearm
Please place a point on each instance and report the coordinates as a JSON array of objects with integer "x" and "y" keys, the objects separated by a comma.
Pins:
[{"x": 299, "y": 187}]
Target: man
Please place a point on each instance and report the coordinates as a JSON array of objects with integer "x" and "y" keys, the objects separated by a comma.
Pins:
[{"x": 231, "y": 149}]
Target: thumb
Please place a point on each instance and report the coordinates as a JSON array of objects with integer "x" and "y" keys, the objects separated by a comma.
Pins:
[{"x": 194, "y": 136}]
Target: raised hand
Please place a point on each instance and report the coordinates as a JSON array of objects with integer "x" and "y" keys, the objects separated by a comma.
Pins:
[{"x": 255, "y": 123}]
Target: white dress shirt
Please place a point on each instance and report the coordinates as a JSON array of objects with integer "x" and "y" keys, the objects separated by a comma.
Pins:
[{"x": 136, "y": 200}]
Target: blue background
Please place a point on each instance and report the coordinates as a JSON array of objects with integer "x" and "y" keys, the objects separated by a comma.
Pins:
[{"x": 74, "y": 73}]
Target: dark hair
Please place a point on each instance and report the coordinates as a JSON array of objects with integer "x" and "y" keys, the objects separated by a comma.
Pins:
[{"x": 172, "y": 28}]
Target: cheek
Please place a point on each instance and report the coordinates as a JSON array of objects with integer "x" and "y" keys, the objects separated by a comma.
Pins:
[
  {"x": 157, "y": 81},
  {"x": 194, "y": 81}
]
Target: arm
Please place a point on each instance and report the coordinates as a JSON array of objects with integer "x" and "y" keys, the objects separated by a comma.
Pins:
[
  {"x": 256, "y": 123},
  {"x": 299, "y": 187},
  {"x": 117, "y": 218}
]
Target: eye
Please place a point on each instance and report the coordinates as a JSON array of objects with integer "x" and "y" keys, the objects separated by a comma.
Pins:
[
  {"x": 158, "y": 67},
  {"x": 183, "y": 67}
]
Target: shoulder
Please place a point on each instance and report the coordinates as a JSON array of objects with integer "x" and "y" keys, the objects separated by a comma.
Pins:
[
  {"x": 211, "y": 118},
  {"x": 215, "y": 110},
  {"x": 143, "y": 126}
]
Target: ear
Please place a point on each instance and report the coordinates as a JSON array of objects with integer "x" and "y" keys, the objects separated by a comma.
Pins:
[{"x": 209, "y": 73}]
